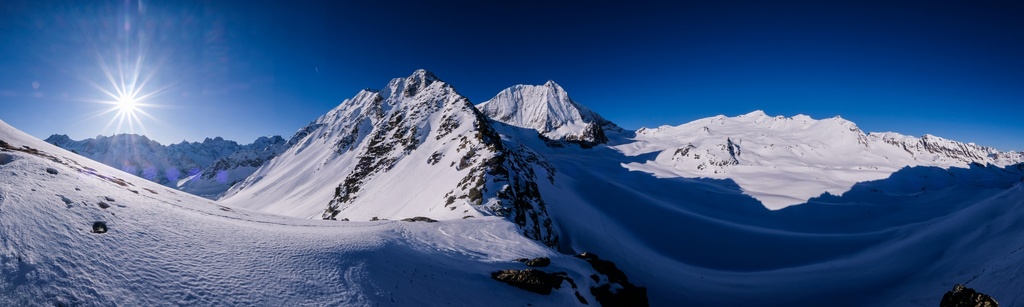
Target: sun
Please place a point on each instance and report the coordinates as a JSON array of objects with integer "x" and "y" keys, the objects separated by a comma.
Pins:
[{"x": 126, "y": 104}]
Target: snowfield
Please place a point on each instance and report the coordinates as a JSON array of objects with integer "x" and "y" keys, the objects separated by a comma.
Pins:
[
  {"x": 723, "y": 211},
  {"x": 166, "y": 247}
]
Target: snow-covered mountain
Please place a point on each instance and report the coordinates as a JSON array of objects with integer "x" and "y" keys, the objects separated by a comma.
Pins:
[
  {"x": 414, "y": 148},
  {"x": 224, "y": 172},
  {"x": 722, "y": 211},
  {"x": 75, "y": 232},
  {"x": 549, "y": 110},
  {"x": 205, "y": 168},
  {"x": 784, "y": 161},
  {"x": 408, "y": 149}
]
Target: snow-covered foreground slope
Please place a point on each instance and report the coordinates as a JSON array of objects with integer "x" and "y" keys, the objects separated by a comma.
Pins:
[
  {"x": 164, "y": 247},
  {"x": 784, "y": 161}
]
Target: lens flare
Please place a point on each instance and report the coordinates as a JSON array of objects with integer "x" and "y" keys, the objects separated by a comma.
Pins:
[{"x": 126, "y": 71}]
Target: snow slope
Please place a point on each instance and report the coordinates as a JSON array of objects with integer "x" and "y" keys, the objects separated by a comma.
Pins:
[
  {"x": 549, "y": 110},
  {"x": 899, "y": 241},
  {"x": 164, "y": 247},
  {"x": 698, "y": 232},
  {"x": 702, "y": 214},
  {"x": 784, "y": 161},
  {"x": 415, "y": 148}
]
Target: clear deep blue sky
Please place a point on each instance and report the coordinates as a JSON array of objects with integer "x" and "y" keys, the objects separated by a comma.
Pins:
[{"x": 242, "y": 69}]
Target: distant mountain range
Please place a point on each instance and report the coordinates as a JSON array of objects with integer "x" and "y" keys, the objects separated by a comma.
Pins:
[
  {"x": 206, "y": 168},
  {"x": 759, "y": 203}
]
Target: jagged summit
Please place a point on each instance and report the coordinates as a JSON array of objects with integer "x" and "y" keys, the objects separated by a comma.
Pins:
[
  {"x": 549, "y": 110},
  {"x": 415, "y": 148},
  {"x": 204, "y": 168}
]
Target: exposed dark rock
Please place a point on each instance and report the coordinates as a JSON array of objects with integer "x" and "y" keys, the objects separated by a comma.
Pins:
[
  {"x": 51, "y": 170},
  {"x": 373, "y": 219},
  {"x": 539, "y": 262},
  {"x": 108, "y": 198},
  {"x": 626, "y": 294},
  {"x": 103, "y": 205},
  {"x": 605, "y": 267},
  {"x": 530, "y": 280},
  {"x": 99, "y": 227},
  {"x": 629, "y": 295},
  {"x": 962, "y": 296},
  {"x": 419, "y": 219}
]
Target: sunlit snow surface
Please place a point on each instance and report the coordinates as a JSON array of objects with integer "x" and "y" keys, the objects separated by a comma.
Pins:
[
  {"x": 691, "y": 238},
  {"x": 784, "y": 161},
  {"x": 168, "y": 247}
]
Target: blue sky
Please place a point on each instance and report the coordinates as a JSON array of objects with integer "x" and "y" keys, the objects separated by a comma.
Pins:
[{"x": 243, "y": 69}]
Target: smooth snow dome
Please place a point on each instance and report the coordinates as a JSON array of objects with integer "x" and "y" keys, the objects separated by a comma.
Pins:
[{"x": 784, "y": 161}]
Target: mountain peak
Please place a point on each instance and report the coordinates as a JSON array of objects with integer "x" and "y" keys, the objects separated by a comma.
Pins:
[
  {"x": 423, "y": 75},
  {"x": 549, "y": 110},
  {"x": 755, "y": 113}
]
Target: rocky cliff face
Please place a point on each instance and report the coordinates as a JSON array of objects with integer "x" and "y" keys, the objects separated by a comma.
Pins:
[{"x": 414, "y": 148}]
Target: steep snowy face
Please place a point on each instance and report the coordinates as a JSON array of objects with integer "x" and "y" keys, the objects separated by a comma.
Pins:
[
  {"x": 414, "y": 148},
  {"x": 220, "y": 175},
  {"x": 205, "y": 168},
  {"x": 549, "y": 110},
  {"x": 784, "y": 161}
]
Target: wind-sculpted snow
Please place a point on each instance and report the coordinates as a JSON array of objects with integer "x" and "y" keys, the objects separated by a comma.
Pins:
[
  {"x": 904, "y": 239},
  {"x": 164, "y": 247},
  {"x": 748, "y": 210},
  {"x": 784, "y": 161}
]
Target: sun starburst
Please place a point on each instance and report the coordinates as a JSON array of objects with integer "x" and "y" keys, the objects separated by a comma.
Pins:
[{"x": 127, "y": 73}]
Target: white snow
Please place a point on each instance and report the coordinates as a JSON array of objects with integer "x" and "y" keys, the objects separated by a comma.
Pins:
[
  {"x": 784, "y": 161},
  {"x": 169, "y": 248},
  {"x": 701, "y": 214},
  {"x": 546, "y": 108},
  {"x": 302, "y": 181}
]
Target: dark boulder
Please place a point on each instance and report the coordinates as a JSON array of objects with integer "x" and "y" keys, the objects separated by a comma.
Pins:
[
  {"x": 51, "y": 170},
  {"x": 420, "y": 219},
  {"x": 622, "y": 293},
  {"x": 605, "y": 267},
  {"x": 530, "y": 280},
  {"x": 962, "y": 296},
  {"x": 539, "y": 262},
  {"x": 99, "y": 227}
]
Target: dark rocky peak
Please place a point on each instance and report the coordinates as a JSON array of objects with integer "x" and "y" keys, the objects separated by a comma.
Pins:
[{"x": 58, "y": 139}]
